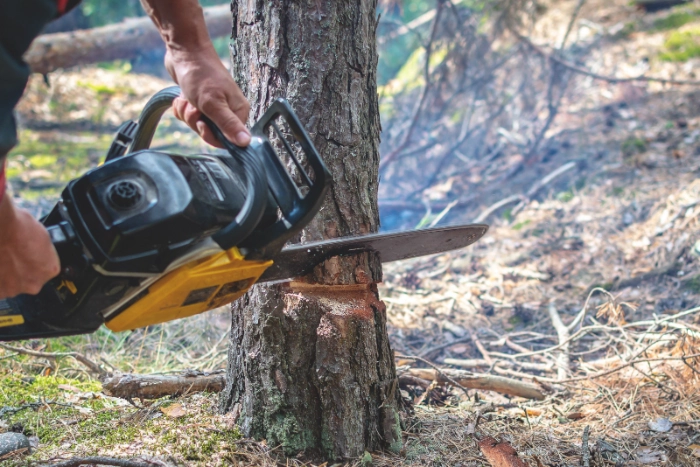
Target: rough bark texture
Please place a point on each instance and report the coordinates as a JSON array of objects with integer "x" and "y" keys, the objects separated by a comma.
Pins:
[{"x": 310, "y": 367}]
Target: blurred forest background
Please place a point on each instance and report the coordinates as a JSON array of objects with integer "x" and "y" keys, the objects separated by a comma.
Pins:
[{"x": 571, "y": 127}]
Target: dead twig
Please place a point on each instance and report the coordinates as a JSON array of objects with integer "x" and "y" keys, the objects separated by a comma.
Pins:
[
  {"x": 585, "y": 452},
  {"x": 563, "y": 333},
  {"x": 496, "y": 206},
  {"x": 630, "y": 363},
  {"x": 610, "y": 79},
  {"x": 53, "y": 356},
  {"x": 98, "y": 460},
  {"x": 437, "y": 369},
  {"x": 465, "y": 379}
]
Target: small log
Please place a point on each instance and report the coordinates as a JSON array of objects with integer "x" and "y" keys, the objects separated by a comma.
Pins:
[
  {"x": 500, "y": 384},
  {"x": 124, "y": 40},
  {"x": 129, "y": 386}
]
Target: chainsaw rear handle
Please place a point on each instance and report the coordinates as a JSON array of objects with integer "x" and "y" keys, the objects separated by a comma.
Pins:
[{"x": 256, "y": 194}]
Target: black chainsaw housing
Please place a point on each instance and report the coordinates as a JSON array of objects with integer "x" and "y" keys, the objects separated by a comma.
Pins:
[{"x": 129, "y": 219}]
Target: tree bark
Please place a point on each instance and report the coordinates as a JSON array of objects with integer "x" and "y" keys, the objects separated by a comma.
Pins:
[
  {"x": 124, "y": 40},
  {"x": 310, "y": 366}
]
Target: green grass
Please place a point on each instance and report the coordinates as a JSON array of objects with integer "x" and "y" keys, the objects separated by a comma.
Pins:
[
  {"x": 676, "y": 19},
  {"x": 71, "y": 416},
  {"x": 54, "y": 159},
  {"x": 692, "y": 284},
  {"x": 519, "y": 225},
  {"x": 565, "y": 196},
  {"x": 632, "y": 146},
  {"x": 680, "y": 46}
]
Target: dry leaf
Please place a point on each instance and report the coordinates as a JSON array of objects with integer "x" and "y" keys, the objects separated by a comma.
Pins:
[
  {"x": 500, "y": 454},
  {"x": 695, "y": 449},
  {"x": 173, "y": 411},
  {"x": 459, "y": 348},
  {"x": 661, "y": 425},
  {"x": 648, "y": 455}
]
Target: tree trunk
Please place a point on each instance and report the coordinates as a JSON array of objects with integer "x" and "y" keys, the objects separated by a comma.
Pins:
[{"x": 310, "y": 367}]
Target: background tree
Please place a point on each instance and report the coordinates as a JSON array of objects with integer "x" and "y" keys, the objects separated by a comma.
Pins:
[{"x": 310, "y": 367}]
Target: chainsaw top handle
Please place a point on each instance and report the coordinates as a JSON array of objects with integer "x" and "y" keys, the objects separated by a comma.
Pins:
[
  {"x": 268, "y": 177},
  {"x": 256, "y": 199}
]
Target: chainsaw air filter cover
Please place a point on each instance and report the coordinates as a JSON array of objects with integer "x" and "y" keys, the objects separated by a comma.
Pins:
[{"x": 140, "y": 211}]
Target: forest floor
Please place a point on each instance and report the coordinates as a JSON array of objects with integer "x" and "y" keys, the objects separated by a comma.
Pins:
[{"x": 589, "y": 289}]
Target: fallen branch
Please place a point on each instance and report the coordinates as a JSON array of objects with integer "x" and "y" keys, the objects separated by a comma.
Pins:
[
  {"x": 129, "y": 386},
  {"x": 564, "y": 335},
  {"x": 610, "y": 79},
  {"x": 92, "y": 366},
  {"x": 496, "y": 206},
  {"x": 124, "y": 40},
  {"x": 469, "y": 380},
  {"x": 78, "y": 461},
  {"x": 438, "y": 370},
  {"x": 682, "y": 358}
]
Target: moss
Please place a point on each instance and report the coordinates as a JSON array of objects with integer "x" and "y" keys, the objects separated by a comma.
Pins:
[
  {"x": 676, "y": 19},
  {"x": 626, "y": 30},
  {"x": 632, "y": 146},
  {"x": 681, "y": 46},
  {"x": 366, "y": 459},
  {"x": 508, "y": 214},
  {"x": 105, "y": 90},
  {"x": 692, "y": 284},
  {"x": 565, "y": 196},
  {"x": 618, "y": 191},
  {"x": 520, "y": 225}
]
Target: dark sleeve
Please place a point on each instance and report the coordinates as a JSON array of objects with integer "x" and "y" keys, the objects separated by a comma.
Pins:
[{"x": 20, "y": 22}]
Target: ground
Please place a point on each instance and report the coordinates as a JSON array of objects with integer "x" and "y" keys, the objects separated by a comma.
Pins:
[{"x": 616, "y": 235}]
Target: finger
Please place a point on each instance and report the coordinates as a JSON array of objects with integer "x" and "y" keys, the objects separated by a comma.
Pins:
[
  {"x": 228, "y": 122},
  {"x": 179, "y": 105},
  {"x": 207, "y": 135},
  {"x": 239, "y": 104},
  {"x": 191, "y": 116}
]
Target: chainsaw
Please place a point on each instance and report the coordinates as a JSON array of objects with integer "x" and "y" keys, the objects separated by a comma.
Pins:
[{"x": 148, "y": 236}]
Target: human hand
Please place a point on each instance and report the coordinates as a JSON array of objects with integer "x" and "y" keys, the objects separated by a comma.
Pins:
[
  {"x": 208, "y": 88},
  {"x": 28, "y": 259}
]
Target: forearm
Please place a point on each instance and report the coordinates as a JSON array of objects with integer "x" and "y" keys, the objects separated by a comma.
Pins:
[
  {"x": 181, "y": 25},
  {"x": 3, "y": 179}
]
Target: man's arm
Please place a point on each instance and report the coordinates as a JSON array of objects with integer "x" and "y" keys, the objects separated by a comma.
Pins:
[
  {"x": 193, "y": 63},
  {"x": 27, "y": 256}
]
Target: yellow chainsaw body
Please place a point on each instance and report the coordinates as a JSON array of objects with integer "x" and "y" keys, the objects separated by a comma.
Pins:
[{"x": 191, "y": 289}]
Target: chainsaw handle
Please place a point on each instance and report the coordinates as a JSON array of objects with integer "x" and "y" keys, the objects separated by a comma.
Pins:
[
  {"x": 256, "y": 193},
  {"x": 256, "y": 180},
  {"x": 151, "y": 115}
]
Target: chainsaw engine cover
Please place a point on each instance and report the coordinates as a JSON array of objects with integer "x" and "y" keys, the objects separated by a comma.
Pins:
[
  {"x": 138, "y": 212},
  {"x": 124, "y": 222}
]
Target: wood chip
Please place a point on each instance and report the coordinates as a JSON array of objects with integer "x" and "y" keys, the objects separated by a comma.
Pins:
[
  {"x": 500, "y": 454},
  {"x": 174, "y": 411}
]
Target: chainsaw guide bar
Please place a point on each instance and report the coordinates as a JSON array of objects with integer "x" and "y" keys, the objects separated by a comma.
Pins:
[{"x": 299, "y": 260}]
